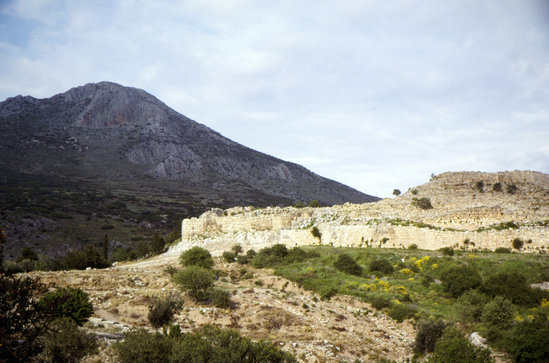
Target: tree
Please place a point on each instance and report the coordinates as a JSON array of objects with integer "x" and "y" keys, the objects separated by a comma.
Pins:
[
  {"x": 422, "y": 203},
  {"x": 530, "y": 340},
  {"x": 65, "y": 342},
  {"x": 195, "y": 280},
  {"x": 453, "y": 347},
  {"x": 142, "y": 248},
  {"x": 428, "y": 333},
  {"x": 161, "y": 312},
  {"x": 236, "y": 249},
  {"x": 396, "y": 192},
  {"x": 157, "y": 244},
  {"x": 458, "y": 279},
  {"x": 197, "y": 256},
  {"x": 316, "y": 233},
  {"x": 68, "y": 302},
  {"x": 348, "y": 265},
  {"x": 28, "y": 253},
  {"x": 93, "y": 259},
  {"x": 106, "y": 247},
  {"x": 499, "y": 313},
  {"x": 314, "y": 203}
]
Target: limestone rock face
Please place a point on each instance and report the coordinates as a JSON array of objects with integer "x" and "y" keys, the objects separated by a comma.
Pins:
[{"x": 462, "y": 217}]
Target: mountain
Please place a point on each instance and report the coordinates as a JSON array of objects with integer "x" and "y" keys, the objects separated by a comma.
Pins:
[
  {"x": 122, "y": 135},
  {"x": 103, "y": 157}
]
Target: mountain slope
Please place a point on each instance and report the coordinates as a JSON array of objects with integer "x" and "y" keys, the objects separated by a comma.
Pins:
[{"x": 119, "y": 135}]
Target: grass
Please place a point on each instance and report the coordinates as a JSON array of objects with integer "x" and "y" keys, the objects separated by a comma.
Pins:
[{"x": 412, "y": 284}]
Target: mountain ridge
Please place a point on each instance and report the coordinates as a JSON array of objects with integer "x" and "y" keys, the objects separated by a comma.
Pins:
[{"x": 151, "y": 139}]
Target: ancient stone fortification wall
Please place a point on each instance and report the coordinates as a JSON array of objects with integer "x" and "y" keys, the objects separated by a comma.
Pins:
[
  {"x": 459, "y": 210},
  {"x": 292, "y": 227}
]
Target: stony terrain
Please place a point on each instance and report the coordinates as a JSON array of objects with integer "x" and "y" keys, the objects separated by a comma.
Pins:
[{"x": 343, "y": 329}]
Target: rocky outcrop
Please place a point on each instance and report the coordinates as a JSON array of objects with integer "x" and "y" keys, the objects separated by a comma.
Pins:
[{"x": 462, "y": 217}]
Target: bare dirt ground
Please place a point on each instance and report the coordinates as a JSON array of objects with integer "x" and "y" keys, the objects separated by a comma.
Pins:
[{"x": 341, "y": 330}]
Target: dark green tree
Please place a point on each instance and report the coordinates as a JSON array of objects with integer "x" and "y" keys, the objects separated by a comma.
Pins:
[
  {"x": 157, "y": 244},
  {"x": 28, "y": 253},
  {"x": 69, "y": 303},
  {"x": 197, "y": 256},
  {"x": 396, "y": 192},
  {"x": 314, "y": 203},
  {"x": 106, "y": 247},
  {"x": 195, "y": 280},
  {"x": 348, "y": 265}
]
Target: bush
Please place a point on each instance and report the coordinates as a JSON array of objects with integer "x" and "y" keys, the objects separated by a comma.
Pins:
[
  {"x": 28, "y": 253},
  {"x": 401, "y": 312},
  {"x": 197, "y": 281},
  {"x": 197, "y": 256},
  {"x": 480, "y": 186},
  {"x": 499, "y": 313},
  {"x": 140, "y": 346},
  {"x": 157, "y": 244},
  {"x": 497, "y": 187},
  {"x": 453, "y": 347},
  {"x": 381, "y": 265},
  {"x": 530, "y": 340},
  {"x": 428, "y": 333},
  {"x": 348, "y": 265},
  {"x": 316, "y": 233},
  {"x": 502, "y": 250},
  {"x": 511, "y": 188},
  {"x": 21, "y": 318},
  {"x": 458, "y": 279},
  {"x": 68, "y": 302},
  {"x": 221, "y": 298},
  {"x": 170, "y": 270},
  {"x": 380, "y": 303},
  {"x": 270, "y": 256},
  {"x": 161, "y": 312},
  {"x": 514, "y": 287},
  {"x": 229, "y": 257},
  {"x": 470, "y": 305},
  {"x": 422, "y": 203},
  {"x": 413, "y": 246},
  {"x": 447, "y": 251},
  {"x": 314, "y": 203},
  {"x": 299, "y": 205},
  {"x": 236, "y": 249},
  {"x": 327, "y": 293},
  {"x": 66, "y": 343},
  {"x": 518, "y": 243},
  {"x": 209, "y": 344}
]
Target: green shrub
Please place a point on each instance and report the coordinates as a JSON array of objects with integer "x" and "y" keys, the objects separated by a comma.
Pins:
[
  {"x": 401, "y": 312},
  {"x": 380, "y": 303},
  {"x": 511, "y": 188},
  {"x": 270, "y": 256},
  {"x": 518, "y": 243},
  {"x": 480, "y": 186},
  {"x": 381, "y": 265},
  {"x": 413, "y": 246},
  {"x": 327, "y": 293},
  {"x": 243, "y": 259},
  {"x": 157, "y": 244},
  {"x": 348, "y": 265},
  {"x": 299, "y": 205},
  {"x": 197, "y": 281},
  {"x": 316, "y": 233},
  {"x": 28, "y": 253},
  {"x": 170, "y": 270},
  {"x": 69, "y": 303},
  {"x": 502, "y": 250},
  {"x": 447, "y": 251},
  {"x": 497, "y": 187},
  {"x": 530, "y": 340},
  {"x": 470, "y": 305},
  {"x": 140, "y": 346},
  {"x": 458, "y": 279},
  {"x": 514, "y": 287},
  {"x": 197, "y": 256},
  {"x": 314, "y": 203},
  {"x": 65, "y": 342},
  {"x": 221, "y": 298},
  {"x": 236, "y": 249},
  {"x": 422, "y": 203},
  {"x": 161, "y": 311},
  {"x": 428, "y": 333},
  {"x": 229, "y": 257},
  {"x": 453, "y": 347},
  {"x": 296, "y": 254},
  {"x": 499, "y": 313}
]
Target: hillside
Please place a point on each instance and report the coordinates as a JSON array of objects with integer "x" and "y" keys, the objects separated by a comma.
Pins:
[
  {"x": 103, "y": 155},
  {"x": 460, "y": 212}
]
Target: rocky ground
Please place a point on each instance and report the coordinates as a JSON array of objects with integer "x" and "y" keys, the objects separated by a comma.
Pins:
[{"x": 341, "y": 330}]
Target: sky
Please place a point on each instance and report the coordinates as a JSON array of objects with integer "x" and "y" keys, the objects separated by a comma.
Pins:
[{"x": 377, "y": 95}]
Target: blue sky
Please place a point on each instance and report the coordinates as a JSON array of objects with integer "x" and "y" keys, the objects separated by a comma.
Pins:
[{"x": 374, "y": 94}]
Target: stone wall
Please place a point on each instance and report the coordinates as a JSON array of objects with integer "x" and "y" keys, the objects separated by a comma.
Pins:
[{"x": 459, "y": 210}]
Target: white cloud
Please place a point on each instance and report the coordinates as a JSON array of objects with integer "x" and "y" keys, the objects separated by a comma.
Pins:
[{"x": 377, "y": 95}]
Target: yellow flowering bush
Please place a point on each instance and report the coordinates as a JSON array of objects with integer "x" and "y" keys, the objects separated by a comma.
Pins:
[
  {"x": 434, "y": 266},
  {"x": 368, "y": 287},
  {"x": 544, "y": 303},
  {"x": 407, "y": 271}
]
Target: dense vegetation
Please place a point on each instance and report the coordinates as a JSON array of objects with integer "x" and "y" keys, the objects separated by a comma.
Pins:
[{"x": 485, "y": 292}]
